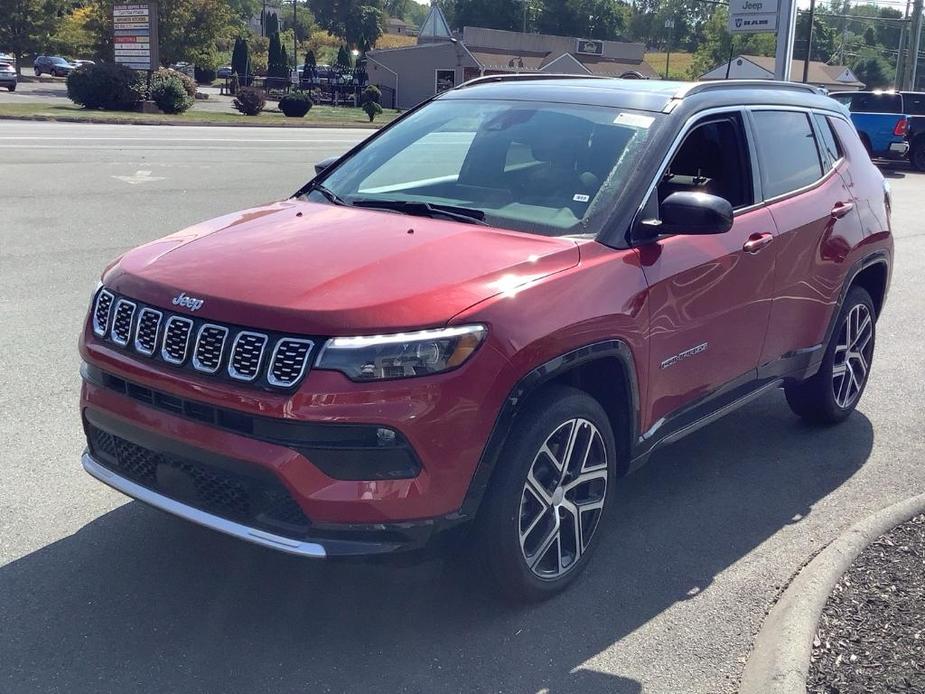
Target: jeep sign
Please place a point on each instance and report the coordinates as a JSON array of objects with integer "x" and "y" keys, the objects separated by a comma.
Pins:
[{"x": 752, "y": 16}]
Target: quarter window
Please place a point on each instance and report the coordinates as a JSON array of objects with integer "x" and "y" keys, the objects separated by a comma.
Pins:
[
  {"x": 829, "y": 142},
  {"x": 787, "y": 151}
]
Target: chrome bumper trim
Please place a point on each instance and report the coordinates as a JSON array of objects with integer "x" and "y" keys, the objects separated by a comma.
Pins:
[{"x": 194, "y": 515}]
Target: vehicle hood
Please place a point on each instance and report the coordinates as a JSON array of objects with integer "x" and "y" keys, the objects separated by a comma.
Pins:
[{"x": 321, "y": 269}]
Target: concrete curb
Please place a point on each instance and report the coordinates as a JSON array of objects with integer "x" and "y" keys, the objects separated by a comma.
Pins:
[
  {"x": 195, "y": 124},
  {"x": 779, "y": 661}
]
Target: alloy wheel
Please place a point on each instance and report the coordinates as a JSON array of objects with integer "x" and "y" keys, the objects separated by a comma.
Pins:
[
  {"x": 853, "y": 353},
  {"x": 563, "y": 498}
]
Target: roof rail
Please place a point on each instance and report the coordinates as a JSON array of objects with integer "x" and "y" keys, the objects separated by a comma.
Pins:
[
  {"x": 698, "y": 87},
  {"x": 527, "y": 77}
]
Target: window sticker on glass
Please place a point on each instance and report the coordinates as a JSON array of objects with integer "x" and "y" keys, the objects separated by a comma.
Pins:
[
  {"x": 633, "y": 120},
  {"x": 579, "y": 197}
]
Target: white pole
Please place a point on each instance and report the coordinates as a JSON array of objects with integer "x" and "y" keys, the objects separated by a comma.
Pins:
[{"x": 786, "y": 32}]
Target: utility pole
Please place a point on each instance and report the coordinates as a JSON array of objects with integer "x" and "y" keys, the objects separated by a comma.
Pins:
[
  {"x": 915, "y": 44},
  {"x": 901, "y": 52},
  {"x": 809, "y": 41},
  {"x": 295, "y": 38}
]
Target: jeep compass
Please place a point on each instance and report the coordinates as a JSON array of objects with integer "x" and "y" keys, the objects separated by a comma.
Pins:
[{"x": 485, "y": 314}]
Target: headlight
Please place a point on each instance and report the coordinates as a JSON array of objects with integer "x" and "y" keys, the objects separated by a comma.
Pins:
[{"x": 401, "y": 355}]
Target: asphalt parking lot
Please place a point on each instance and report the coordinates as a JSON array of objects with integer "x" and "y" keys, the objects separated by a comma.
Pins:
[{"x": 102, "y": 594}]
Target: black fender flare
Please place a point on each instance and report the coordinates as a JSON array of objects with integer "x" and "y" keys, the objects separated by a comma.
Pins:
[{"x": 529, "y": 384}]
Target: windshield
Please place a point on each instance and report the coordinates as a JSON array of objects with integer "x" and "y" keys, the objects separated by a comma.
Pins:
[{"x": 536, "y": 167}]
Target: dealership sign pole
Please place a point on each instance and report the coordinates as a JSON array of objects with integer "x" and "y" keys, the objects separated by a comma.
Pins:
[{"x": 135, "y": 34}]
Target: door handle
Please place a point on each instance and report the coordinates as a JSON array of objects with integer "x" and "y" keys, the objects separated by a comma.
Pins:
[
  {"x": 756, "y": 242},
  {"x": 841, "y": 209}
]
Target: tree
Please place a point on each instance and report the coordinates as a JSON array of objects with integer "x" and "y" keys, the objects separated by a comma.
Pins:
[
  {"x": 491, "y": 14},
  {"x": 343, "y": 58},
  {"x": 594, "y": 19},
  {"x": 304, "y": 25},
  {"x": 872, "y": 69},
  {"x": 25, "y": 26},
  {"x": 277, "y": 65},
  {"x": 358, "y": 22},
  {"x": 73, "y": 36},
  {"x": 308, "y": 72},
  {"x": 240, "y": 58},
  {"x": 270, "y": 23}
]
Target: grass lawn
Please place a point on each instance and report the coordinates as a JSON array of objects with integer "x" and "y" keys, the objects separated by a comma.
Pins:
[
  {"x": 319, "y": 116},
  {"x": 678, "y": 65}
]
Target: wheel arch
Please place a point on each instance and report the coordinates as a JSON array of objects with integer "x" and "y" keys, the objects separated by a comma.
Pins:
[
  {"x": 592, "y": 369},
  {"x": 873, "y": 278}
]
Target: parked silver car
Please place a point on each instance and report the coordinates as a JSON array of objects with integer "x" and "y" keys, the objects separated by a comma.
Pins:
[{"x": 8, "y": 76}]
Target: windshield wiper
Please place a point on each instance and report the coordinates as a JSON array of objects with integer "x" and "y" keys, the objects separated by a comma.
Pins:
[
  {"x": 331, "y": 196},
  {"x": 426, "y": 209}
]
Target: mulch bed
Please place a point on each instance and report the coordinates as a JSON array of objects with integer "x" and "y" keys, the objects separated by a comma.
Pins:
[{"x": 871, "y": 637}]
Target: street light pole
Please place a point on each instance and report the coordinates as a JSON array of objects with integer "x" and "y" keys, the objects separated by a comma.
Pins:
[
  {"x": 295, "y": 38},
  {"x": 669, "y": 24}
]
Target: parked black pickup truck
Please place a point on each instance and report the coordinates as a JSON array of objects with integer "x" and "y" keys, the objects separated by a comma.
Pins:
[{"x": 909, "y": 106}]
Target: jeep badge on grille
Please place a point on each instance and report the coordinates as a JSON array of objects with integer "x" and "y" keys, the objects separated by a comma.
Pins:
[{"x": 189, "y": 302}]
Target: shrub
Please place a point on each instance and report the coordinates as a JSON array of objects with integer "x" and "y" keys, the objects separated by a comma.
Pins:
[
  {"x": 371, "y": 93},
  {"x": 372, "y": 109},
  {"x": 107, "y": 86},
  {"x": 204, "y": 75},
  {"x": 170, "y": 95},
  {"x": 165, "y": 73},
  {"x": 249, "y": 101},
  {"x": 295, "y": 105}
]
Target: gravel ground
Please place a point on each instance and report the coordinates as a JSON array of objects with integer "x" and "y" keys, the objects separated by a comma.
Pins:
[{"x": 871, "y": 637}]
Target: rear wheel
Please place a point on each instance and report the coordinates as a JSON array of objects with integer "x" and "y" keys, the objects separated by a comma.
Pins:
[
  {"x": 38, "y": 73},
  {"x": 539, "y": 523},
  {"x": 12, "y": 87},
  {"x": 834, "y": 392}
]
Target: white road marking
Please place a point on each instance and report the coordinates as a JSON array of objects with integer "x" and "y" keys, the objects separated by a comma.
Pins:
[{"x": 139, "y": 177}]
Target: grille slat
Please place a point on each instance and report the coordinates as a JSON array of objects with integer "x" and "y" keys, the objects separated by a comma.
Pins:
[
  {"x": 177, "y": 333},
  {"x": 101, "y": 312},
  {"x": 290, "y": 357},
  {"x": 246, "y": 355},
  {"x": 226, "y": 351},
  {"x": 210, "y": 345},
  {"x": 122, "y": 322},
  {"x": 149, "y": 322}
]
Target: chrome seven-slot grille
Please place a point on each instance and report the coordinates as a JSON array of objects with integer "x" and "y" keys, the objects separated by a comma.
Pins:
[{"x": 210, "y": 348}]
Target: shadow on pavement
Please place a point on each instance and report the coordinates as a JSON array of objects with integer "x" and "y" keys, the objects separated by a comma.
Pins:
[{"x": 138, "y": 601}]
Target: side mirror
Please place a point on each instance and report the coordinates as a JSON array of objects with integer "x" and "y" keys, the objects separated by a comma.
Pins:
[
  {"x": 324, "y": 163},
  {"x": 692, "y": 214}
]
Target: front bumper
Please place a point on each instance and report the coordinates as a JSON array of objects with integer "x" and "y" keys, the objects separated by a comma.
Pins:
[{"x": 195, "y": 515}]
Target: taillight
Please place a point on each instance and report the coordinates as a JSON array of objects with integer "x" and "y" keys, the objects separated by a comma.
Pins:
[{"x": 902, "y": 127}]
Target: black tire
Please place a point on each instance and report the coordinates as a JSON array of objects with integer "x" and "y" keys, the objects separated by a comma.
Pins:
[
  {"x": 497, "y": 532},
  {"x": 917, "y": 155},
  {"x": 820, "y": 400},
  {"x": 12, "y": 87},
  {"x": 38, "y": 73}
]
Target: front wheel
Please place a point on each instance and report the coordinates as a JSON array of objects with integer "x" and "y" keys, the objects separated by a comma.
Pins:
[
  {"x": 38, "y": 73},
  {"x": 12, "y": 87},
  {"x": 834, "y": 392},
  {"x": 540, "y": 522}
]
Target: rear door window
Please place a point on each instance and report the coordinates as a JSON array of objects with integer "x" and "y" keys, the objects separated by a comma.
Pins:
[
  {"x": 787, "y": 151},
  {"x": 914, "y": 104},
  {"x": 869, "y": 102}
]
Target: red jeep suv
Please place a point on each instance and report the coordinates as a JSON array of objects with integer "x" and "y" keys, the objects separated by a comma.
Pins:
[{"x": 488, "y": 312}]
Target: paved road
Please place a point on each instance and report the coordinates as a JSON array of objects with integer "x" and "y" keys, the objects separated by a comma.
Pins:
[{"x": 99, "y": 594}]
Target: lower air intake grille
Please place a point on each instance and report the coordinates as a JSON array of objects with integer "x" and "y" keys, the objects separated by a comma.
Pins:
[{"x": 259, "y": 501}]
